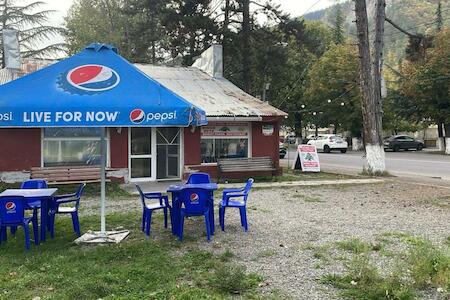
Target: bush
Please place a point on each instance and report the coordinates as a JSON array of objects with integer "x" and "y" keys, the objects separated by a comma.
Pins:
[{"x": 232, "y": 279}]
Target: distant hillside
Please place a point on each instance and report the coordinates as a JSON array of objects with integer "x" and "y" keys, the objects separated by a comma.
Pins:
[{"x": 417, "y": 16}]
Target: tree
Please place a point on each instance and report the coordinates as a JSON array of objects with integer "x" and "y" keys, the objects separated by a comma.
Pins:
[
  {"x": 84, "y": 26},
  {"x": 439, "y": 21},
  {"x": 426, "y": 84},
  {"x": 338, "y": 26},
  {"x": 333, "y": 90},
  {"x": 30, "y": 22},
  {"x": 370, "y": 77}
]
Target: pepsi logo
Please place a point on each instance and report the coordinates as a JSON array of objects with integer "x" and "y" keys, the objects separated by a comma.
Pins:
[
  {"x": 137, "y": 116},
  {"x": 10, "y": 205},
  {"x": 93, "y": 78},
  {"x": 194, "y": 197}
]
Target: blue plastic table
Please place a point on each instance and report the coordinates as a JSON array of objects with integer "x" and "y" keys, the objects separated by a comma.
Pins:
[
  {"x": 176, "y": 203},
  {"x": 33, "y": 195}
]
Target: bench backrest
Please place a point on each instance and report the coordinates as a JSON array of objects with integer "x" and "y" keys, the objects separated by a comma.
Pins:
[
  {"x": 67, "y": 174},
  {"x": 246, "y": 164}
]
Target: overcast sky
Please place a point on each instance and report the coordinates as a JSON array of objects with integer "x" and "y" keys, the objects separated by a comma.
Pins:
[{"x": 294, "y": 7}]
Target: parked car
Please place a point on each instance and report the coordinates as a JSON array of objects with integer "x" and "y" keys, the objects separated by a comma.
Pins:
[
  {"x": 405, "y": 142},
  {"x": 282, "y": 150},
  {"x": 290, "y": 138},
  {"x": 329, "y": 142}
]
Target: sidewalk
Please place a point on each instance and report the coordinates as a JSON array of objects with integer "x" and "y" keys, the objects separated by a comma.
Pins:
[{"x": 162, "y": 186}]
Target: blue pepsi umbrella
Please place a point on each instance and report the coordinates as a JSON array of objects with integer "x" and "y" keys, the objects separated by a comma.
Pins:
[{"x": 94, "y": 88}]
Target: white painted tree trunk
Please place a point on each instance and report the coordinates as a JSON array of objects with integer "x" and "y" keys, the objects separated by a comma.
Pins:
[
  {"x": 447, "y": 148},
  {"x": 440, "y": 145},
  {"x": 375, "y": 158},
  {"x": 356, "y": 144}
]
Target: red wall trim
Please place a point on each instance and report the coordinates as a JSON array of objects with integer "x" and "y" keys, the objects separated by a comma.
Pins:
[{"x": 192, "y": 154}]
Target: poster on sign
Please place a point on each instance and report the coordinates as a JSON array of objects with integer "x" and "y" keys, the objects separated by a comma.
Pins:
[{"x": 307, "y": 159}]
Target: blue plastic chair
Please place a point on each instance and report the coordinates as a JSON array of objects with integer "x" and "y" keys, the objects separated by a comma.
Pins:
[
  {"x": 148, "y": 208},
  {"x": 195, "y": 202},
  {"x": 12, "y": 214},
  {"x": 196, "y": 178},
  {"x": 229, "y": 200},
  {"x": 57, "y": 208}
]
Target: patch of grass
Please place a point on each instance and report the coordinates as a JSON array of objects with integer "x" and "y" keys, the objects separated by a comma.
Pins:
[
  {"x": 113, "y": 189},
  {"x": 423, "y": 267},
  {"x": 371, "y": 173},
  {"x": 158, "y": 267},
  {"x": 290, "y": 175},
  {"x": 429, "y": 265},
  {"x": 355, "y": 246},
  {"x": 266, "y": 253},
  {"x": 442, "y": 202},
  {"x": 363, "y": 281}
]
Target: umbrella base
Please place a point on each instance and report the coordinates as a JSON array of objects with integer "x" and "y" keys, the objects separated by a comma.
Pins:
[{"x": 98, "y": 237}]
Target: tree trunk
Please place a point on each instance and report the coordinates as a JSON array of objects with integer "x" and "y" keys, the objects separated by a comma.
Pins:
[
  {"x": 226, "y": 23},
  {"x": 370, "y": 77},
  {"x": 154, "y": 52},
  {"x": 447, "y": 138},
  {"x": 246, "y": 59},
  {"x": 440, "y": 143}
]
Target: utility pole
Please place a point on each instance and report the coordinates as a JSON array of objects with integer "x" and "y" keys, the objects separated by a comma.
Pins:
[
  {"x": 370, "y": 77},
  {"x": 246, "y": 59}
]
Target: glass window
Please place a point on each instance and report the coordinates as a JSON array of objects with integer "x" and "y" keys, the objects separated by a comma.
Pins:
[
  {"x": 71, "y": 146},
  {"x": 213, "y": 149}
]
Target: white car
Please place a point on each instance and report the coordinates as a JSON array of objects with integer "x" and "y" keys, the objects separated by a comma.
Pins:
[{"x": 329, "y": 142}]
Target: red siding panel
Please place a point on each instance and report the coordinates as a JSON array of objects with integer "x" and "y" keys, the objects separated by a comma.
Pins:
[
  {"x": 119, "y": 147},
  {"x": 266, "y": 145},
  {"x": 20, "y": 148},
  {"x": 192, "y": 154}
]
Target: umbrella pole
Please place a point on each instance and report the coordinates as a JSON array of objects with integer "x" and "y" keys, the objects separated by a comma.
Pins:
[{"x": 103, "y": 181}]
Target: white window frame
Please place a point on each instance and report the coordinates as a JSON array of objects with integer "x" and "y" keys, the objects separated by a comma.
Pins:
[
  {"x": 153, "y": 158},
  {"x": 108, "y": 148},
  {"x": 249, "y": 137}
]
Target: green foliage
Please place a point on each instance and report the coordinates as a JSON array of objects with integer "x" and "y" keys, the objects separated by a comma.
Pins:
[
  {"x": 32, "y": 24},
  {"x": 137, "y": 268},
  {"x": 423, "y": 267},
  {"x": 332, "y": 90}
]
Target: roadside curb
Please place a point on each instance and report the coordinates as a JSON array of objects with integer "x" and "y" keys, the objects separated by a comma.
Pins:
[{"x": 304, "y": 183}]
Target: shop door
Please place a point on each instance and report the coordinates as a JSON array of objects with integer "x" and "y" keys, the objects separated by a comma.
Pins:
[
  {"x": 168, "y": 152},
  {"x": 141, "y": 154}
]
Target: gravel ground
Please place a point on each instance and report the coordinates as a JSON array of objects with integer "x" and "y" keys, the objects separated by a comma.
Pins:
[{"x": 285, "y": 222}]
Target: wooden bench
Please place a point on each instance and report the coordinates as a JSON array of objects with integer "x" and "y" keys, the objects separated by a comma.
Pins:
[
  {"x": 67, "y": 175},
  {"x": 253, "y": 164}
]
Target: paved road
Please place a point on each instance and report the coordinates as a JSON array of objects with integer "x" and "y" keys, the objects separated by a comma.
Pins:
[{"x": 408, "y": 164}]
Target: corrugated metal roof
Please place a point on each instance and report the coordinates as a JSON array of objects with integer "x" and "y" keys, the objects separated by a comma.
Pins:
[
  {"x": 217, "y": 96},
  {"x": 29, "y": 65}
]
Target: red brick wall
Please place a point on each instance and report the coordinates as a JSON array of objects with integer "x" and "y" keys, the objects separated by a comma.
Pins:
[
  {"x": 20, "y": 148},
  {"x": 119, "y": 148}
]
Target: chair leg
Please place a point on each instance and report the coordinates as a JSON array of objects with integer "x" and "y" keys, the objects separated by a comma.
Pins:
[
  {"x": 149, "y": 222},
  {"x": 208, "y": 226},
  {"x": 144, "y": 217},
  {"x": 181, "y": 227},
  {"x": 165, "y": 217},
  {"x": 244, "y": 218},
  {"x": 76, "y": 223},
  {"x": 4, "y": 234},
  {"x": 241, "y": 213},
  {"x": 222, "y": 217},
  {"x": 26, "y": 228},
  {"x": 1, "y": 233},
  {"x": 35, "y": 229},
  {"x": 52, "y": 225}
]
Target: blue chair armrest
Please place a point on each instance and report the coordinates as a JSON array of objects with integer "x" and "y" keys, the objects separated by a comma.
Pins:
[
  {"x": 226, "y": 191},
  {"x": 153, "y": 195},
  {"x": 66, "y": 201}
]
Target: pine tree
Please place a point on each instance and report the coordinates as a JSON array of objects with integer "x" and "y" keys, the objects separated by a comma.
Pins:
[
  {"x": 338, "y": 29},
  {"x": 439, "y": 21},
  {"x": 31, "y": 24}
]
